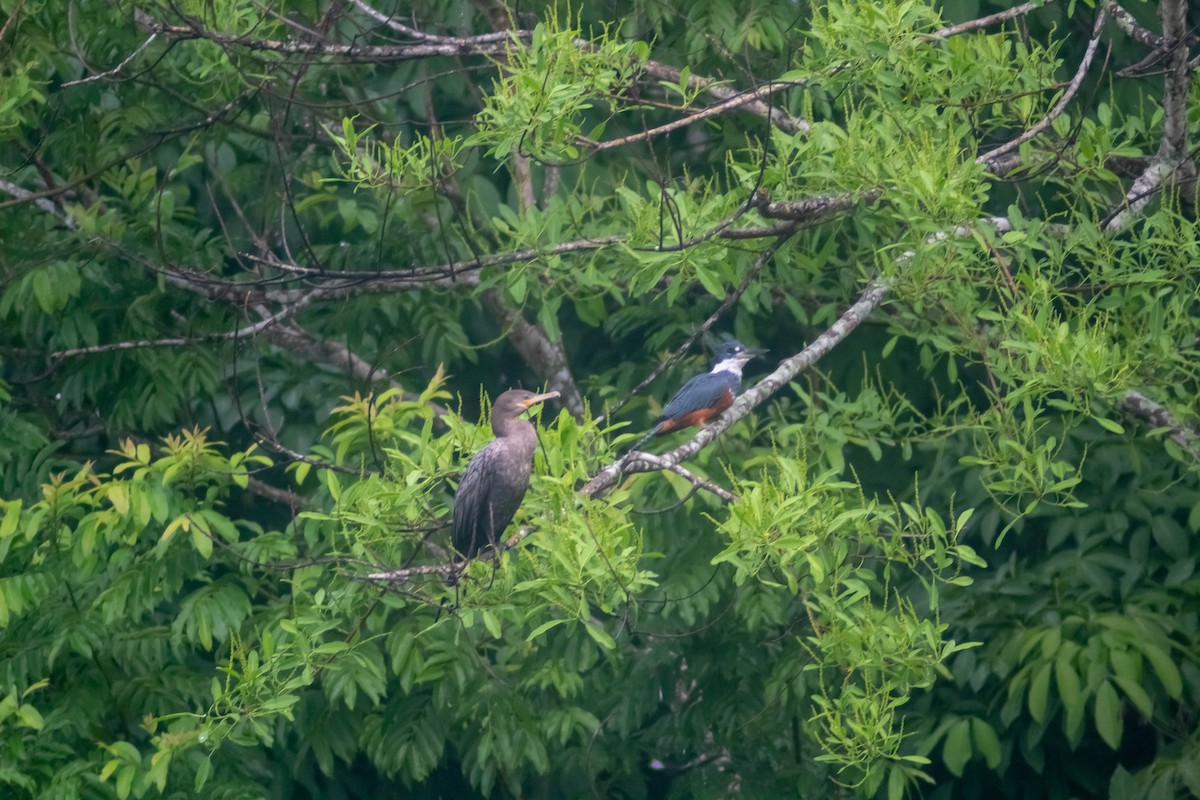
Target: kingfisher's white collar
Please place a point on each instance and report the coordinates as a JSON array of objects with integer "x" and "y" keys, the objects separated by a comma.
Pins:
[{"x": 733, "y": 365}]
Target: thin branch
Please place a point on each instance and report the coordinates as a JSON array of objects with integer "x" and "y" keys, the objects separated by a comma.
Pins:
[
  {"x": 406, "y": 573},
  {"x": 454, "y": 272},
  {"x": 491, "y": 44},
  {"x": 1139, "y": 196},
  {"x": 662, "y": 463},
  {"x": 819, "y": 208},
  {"x": 1063, "y": 102},
  {"x": 284, "y": 496},
  {"x": 117, "y": 69},
  {"x": 292, "y": 337},
  {"x": 241, "y": 333},
  {"x": 448, "y": 569},
  {"x": 41, "y": 202},
  {"x": 871, "y": 297},
  {"x": 1132, "y": 28},
  {"x": 988, "y": 21},
  {"x": 777, "y": 116},
  {"x": 12, "y": 17},
  {"x": 373, "y": 53},
  {"x": 396, "y": 25},
  {"x": 738, "y": 99},
  {"x": 797, "y": 214}
]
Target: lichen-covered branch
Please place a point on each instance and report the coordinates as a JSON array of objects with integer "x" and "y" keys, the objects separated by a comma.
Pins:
[
  {"x": 1160, "y": 416},
  {"x": 1172, "y": 165}
]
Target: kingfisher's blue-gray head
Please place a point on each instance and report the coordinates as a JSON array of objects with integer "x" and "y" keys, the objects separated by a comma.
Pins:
[{"x": 731, "y": 355}]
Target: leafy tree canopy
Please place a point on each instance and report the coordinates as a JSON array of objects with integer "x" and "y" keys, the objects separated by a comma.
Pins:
[{"x": 265, "y": 264}]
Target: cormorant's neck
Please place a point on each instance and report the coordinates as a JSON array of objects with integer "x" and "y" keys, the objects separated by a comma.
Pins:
[{"x": 508, "y": 426}]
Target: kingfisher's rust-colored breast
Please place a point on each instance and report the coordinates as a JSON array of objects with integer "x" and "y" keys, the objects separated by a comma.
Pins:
[{"x": 698, "y": 416}]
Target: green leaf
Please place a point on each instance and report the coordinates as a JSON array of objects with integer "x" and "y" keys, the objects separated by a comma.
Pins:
[
  {"x": 1039, "y": 689},
  {"x": 124, "y": 783},
  {"x": 1069, "y": 690},
  {"x": 1108, "y": 715},
  {"x": 987, "y": 743},
  {"x": 1164, "y": 668},
  {"x": 600, "y": 635},
  {"x": 30, "y": 717},
  {"x": 545, "y": 626},
  {"x": 956, "y": 749},
  {"x": 202, "y": 773},
  {"x": 202, "y": 541},
  {"x": 1136, "y": 694}
]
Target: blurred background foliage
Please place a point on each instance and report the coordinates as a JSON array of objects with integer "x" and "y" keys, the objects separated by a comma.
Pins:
[{"x": 263, "y": 266}]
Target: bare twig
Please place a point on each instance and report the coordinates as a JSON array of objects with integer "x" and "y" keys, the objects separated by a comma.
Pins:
[
  {"x": 695, "y": 480},
  {"x": 241, "y": 333},
  {"x": 12, "y": 17},
  {"x": 354, "y": 52},
  {"x": 447, "y": 569},
  {"x": 1063, "y": 102},
  {"x": 819, "y": 208},
  {"x": 399, "y": 575},
  {"x": 288, "y": 498},
  {"x": 413, "y": 33},
  {"x": 989, "y": 20},
  {"x": 777, "y": 116},
  {"x": 448, "y": 274},
  {"x": 737, "y": 100},
  {"x": 117, "y": 69}
]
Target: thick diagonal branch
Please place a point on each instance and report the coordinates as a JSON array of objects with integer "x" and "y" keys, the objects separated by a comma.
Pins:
[
  {"x": 1160, "y": 416},
  {"x": 545, "y": 357}
]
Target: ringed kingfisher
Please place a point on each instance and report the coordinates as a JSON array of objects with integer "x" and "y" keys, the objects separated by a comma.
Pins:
[
  {"x": 705, "y": 397},
  {"x": 497, "y": 477}
]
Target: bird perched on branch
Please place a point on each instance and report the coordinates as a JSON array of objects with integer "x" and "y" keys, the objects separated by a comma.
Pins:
[
  {"x": 497, "y": 478},
  {"x": 705, "y": 397}
]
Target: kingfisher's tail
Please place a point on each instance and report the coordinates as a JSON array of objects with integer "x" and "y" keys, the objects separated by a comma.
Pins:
[{"x": 645, "y": 437}]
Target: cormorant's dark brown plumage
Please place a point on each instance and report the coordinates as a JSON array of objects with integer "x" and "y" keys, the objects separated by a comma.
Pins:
[{"x": 497, "y": 478}]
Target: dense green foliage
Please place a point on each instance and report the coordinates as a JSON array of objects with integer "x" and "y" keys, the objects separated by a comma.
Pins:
[{"x": 262, "y": 266}]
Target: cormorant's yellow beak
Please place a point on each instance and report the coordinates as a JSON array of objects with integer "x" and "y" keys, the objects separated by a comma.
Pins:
[{"x": 538, "y": 398}]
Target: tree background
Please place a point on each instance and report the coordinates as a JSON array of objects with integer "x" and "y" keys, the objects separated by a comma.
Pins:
[{"x": 264, "y": 264}]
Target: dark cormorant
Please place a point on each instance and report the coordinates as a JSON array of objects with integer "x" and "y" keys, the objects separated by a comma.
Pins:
[{"x": 497, "y": 478}]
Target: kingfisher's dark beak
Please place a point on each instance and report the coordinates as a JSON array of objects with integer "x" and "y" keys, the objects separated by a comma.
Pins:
[
  {"x": 756, "y": 351},
  {"x": 538, "y": 398}
]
